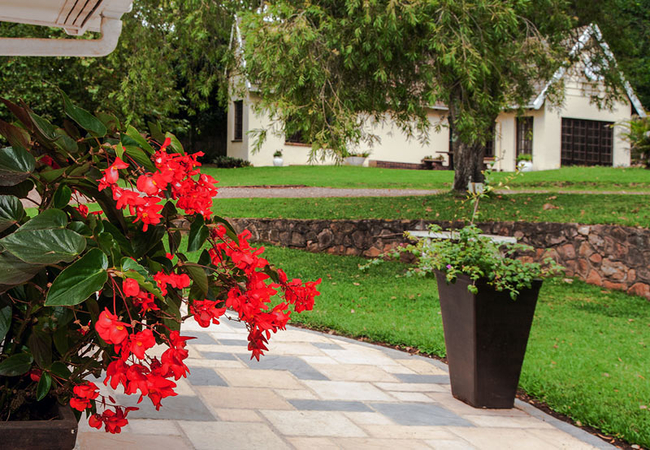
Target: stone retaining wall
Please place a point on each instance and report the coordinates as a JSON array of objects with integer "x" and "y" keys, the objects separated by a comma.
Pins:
[{"x": 611, "y": 256}]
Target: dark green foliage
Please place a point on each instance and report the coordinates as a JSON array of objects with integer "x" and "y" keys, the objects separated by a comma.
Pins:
[{"x": 226, "y": 162}]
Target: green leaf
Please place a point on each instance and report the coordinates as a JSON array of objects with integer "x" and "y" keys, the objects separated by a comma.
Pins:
[
  {"x": 40, "y": 344},
  {"x": 5, "y": 321},
  {"x": 14, "y": 271},
  {"x": 198, "y": 235},
  {"x": 124, "y": 243},
  {"x": 44, "y": 127},
  {"x": 140, "y": 157},
  {"x": 198, "y": 275},
  {"x": 81, "y": 228},
  {"x": 51, "y": 175},
  {"x": 80, "y": 280},
  {"x": 83, "y": 118},
  {"x": 62, "y": 196},
  {"x": 134, "y": 270},
  {"x": 48, "y": 246},
  {"x": 144, "y": 241},
  {"x": 110, "y": 121},
  {"x": 61, "y": 370},
  {"x": 21, "y": 190},
  {"x": 15, "y": 165},
  {"x": 44, "y": 385},
  {"x": 11, "y": 211},
  {"x": 230, "y": 231},
  {"x": 16, "y": 136},
  {"x": 48, "y": 219},
  {"x": 137, "y": 137},
  {"x": 16, "y": 365},
  {"x": 175, "y": 144}
]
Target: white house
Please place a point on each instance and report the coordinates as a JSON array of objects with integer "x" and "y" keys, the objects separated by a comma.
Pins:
[{"x": 575, "y": 133}]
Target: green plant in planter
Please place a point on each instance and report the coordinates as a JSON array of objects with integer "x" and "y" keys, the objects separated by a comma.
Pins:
[
  {"x": 277, "y": 154},
  {"x": 524, "y": 157},
  {"x": 90, "y": 293}
]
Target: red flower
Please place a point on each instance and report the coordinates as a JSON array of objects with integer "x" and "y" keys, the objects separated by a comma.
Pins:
[
  {"x": 110, "y": 328},
  {"x": 130, "y": 287},
  {"x": 114, "y": 421},
  {"x": 95, "y": 421},
  {"x": 147, "y": 185},
  {"x": 83, "y": 394},
  {"x": 83, "y": 210},
  {"x": 205, "y": 312},
  {"x": 116, "y": 372},
  {"x": 111, "y": 174},
  {"x": 142, "y": 341}
]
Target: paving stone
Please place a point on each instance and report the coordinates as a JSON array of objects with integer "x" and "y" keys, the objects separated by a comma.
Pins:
[
  {"x": 380, "y": 444},
  {"x": 214, "y": 363},
  {"x": 456, "y": 444},
  {"x": 561, "y": 440},
  {"x": 463, "y": 409},
  {"x": 152, "y": 426},
  {"x": 329, "y": 405},
  {"x": 129, "y": 441},
  {"x": 424, "y": 366},
  {"x": 292, "y": 334},
  {"x": 220, "y": 348},
  {"x": 354, "y": 372},
  {"x": 313, "y": 423},
  {"x": 307, "y": 443},
  {"x": 260, "y": 378},
  {"x": 237, "y": 342},
  {"x": 494, "y": 421},
  {"x": 397, "y": 368},
  {"x": 369, "y": 418},
  {"x": 319, "y": 360},
  {"x": 327, "y": 345},
  {"x": 232, "y": 435},
  {"x": 302, "y": 394},
  {"x": 293, "y": 349},
  {"x": 415, "y": 414},
  {"x": 237, "y": 325},
  {"x": 180, "y": 407},
  {"x": 407, "y": 432},
  {"x": 205, "y": 376},
  {"x": 503, "y": 439},
  {"x": 201, "y": 338},
  {"x": 360, "y": 356},
  {"x": 418, "y": 378},
  {"x": 220, "y": 356},
  {"x": 347, "y": 390},
  {"x": 183, "y": 387},
  {"x": 412, "y": 387},
  {"x": 299, "y": 368},
  {"x": 242, "y": 398},
  {"x": 412, "y": 397},
  {"x": 238, "y": 415}
]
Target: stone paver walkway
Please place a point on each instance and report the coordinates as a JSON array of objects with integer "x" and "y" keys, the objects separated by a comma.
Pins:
[{"x": 317, "y": 391}]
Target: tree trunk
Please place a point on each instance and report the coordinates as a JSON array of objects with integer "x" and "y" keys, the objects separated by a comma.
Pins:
[{"x": 468, "y": 156}]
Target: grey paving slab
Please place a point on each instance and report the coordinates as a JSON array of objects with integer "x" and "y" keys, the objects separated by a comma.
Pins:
[
  {"x": 204, "y": 376},
  {"x": 297, "y": 366},
  {"x": 327, "y": 345},
  {"x": 417, "y": 378},
  {"x": 201, "y": 338},
  {"x": 237, "y": 342},
  {"x": 183, "y": 407},
  {"x": 414, "y": 414},
  {"x": 222, "y": 356},
  {"x": 330, "y": 405}
]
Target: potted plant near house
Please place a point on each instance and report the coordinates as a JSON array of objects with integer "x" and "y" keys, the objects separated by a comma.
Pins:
[
  {"x": 525, "y": 162},
  {"x": 356, "y": 158},
  {"x": 277, "y": 158},
  {"x": 431, "y": 163},
  {"x": 121, "y": 247}
]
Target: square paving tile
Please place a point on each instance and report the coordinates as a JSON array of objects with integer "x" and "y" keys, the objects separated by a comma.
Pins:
[
  {"x": 354, "y": 372},
  {"x": 242, "y": 398},
  {"x": 205, "y": 376},
  {"x": 424, "y": 366},
  {"x": 313, "y": 423},
  {"x": 129, "y": 441},
  {"x": 179, "y": 407},
  {"x": 419, "y": 378},
  {"x": 416, "y": 414},
  {"x": 237, "y": 342},
  {"x": 201, "y": 338},
  {"x": 327, "y": 345},
  {"x": 329, "y": 405},
  {"x": 347, "y": 390},
  {"x": 380, "y": 444},
  {"x": 299, "y": 368},
  {"x": 232, "y": 435},
  {"x": 223, "y": 356},
  {"x": 504, "y": 439},
  {"x": 279, "y": 379},
  {"x": 307, "y": 443}
]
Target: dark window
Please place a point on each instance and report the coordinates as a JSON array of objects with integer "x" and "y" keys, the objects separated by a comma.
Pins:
[
  {"x": 524, "y": 136},
  {"x": 586, "y": 142},
  {"x": 239, "y": 120},
  {"x": 294, "y": 135}
]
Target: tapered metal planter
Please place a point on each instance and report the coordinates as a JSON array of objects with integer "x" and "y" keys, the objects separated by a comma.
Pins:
[{"x": 486, "y": 336}]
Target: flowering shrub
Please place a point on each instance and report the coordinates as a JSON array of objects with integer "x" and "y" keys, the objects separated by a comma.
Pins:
[{"x": 85, "y": 292}]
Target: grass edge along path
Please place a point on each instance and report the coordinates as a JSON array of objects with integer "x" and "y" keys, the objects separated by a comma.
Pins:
[
  {"x": 587, "y": 356},
  {"x": 628, "y": 210}
]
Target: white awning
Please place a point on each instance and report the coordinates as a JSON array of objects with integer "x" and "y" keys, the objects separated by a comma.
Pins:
[{"x": 74, "y": 16}]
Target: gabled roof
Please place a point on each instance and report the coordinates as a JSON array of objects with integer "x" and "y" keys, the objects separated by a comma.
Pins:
[
  {"x": 74, "y": 16},
  {"x": 589, "y": 32}
]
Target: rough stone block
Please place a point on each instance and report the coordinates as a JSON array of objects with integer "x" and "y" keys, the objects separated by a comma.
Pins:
[{"x": 640, "y": 289}]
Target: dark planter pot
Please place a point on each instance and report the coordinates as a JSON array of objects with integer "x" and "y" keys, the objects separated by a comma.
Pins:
[
  {"x": 486, "y": 336},
  {"x": 60, "y": 433}
]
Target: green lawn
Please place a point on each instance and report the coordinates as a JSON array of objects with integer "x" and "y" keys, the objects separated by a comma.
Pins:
[
  {"x": 631, "y": 210},
  {"x": 568, "y": 178},
  {"x": 588, "y": 353}
]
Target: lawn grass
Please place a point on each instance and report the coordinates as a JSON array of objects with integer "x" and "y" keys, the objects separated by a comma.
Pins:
[
  {"x": 567, "y": 178},
  {"x": 587, "y": 357},
  {"x": 631, "y": 210}
]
